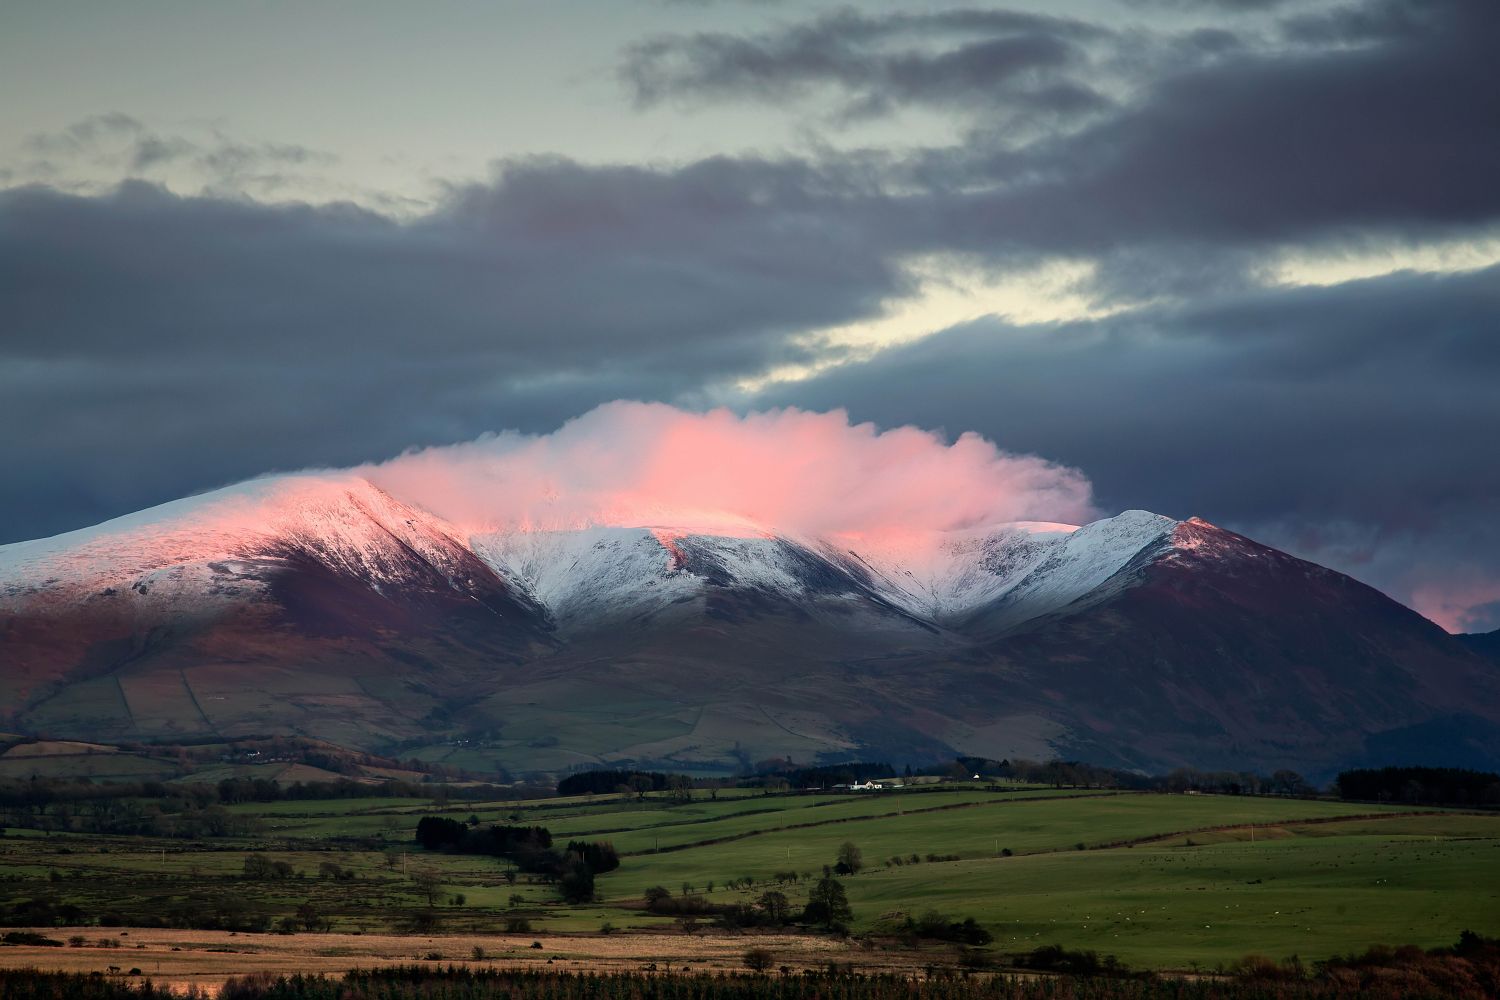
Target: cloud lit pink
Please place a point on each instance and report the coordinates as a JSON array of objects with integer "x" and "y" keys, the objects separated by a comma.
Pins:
[{"x": 628, "y": 463}]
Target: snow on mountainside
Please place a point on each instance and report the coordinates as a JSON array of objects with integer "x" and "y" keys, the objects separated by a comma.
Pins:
[
  {"x": 1032, "y": 568},
  {"x": 217, "y": 547},
  {"x": 590, "y": 575},
  {"x": 599, "y": 575},
  {"x": 1077, "y": 565},
  {"x": 220, "y": 547}
]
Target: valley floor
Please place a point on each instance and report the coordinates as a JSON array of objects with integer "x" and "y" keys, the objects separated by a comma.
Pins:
[{"x": 1180, "y": 882}]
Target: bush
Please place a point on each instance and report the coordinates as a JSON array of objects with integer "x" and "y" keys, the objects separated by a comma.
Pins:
[
  {"x": 249, "y": 987},
  {"x": 30, "y": 938},
  {"x": 759, "y": 959},
  {"x": 661, "y": 901},
  {"x": 939, "y": 927},
  {"x": 1055, "y": 958},
  {"x": 577, "y": 884}
]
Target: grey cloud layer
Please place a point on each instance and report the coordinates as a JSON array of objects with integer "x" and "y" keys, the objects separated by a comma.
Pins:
[
  {"x": 1366, "y": 120},
  {"x": 120, "y": 143},
  {"x": 156, "y": 344},
  {"x": 955, "y": 57}
]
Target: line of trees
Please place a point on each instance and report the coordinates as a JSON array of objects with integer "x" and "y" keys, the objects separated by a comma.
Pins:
[
  {"x": 1421, "y": 785},
  {"x": 44, "y": 791},
  {"x": 639, "y": 783},
  {"x": 529, "y": 848},
  {"x": 606, "y": 782},
  {"x": 827, "y": 907}
]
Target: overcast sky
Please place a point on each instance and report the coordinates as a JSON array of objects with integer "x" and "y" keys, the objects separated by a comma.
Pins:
[{"x": 1231, "y": 258}]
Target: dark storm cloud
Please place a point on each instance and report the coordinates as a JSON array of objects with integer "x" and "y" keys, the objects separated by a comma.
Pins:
[
  {"x": 553, "y": 267},
  {"x": 879, "y": 62},
  {"x": 1351, "y": 423},
  {"x": 1376, "y": 118},
  {"x": 1273, "y": 146},
  {"x": 154, "y": 345}
]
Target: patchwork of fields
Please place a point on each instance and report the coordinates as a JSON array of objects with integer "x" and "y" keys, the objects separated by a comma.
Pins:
[{"x": 1162, "y": 881}]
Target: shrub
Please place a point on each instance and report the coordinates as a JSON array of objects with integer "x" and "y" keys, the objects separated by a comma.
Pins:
[
  {"x": 30, "y": 938},
  {"x": 1055, "y": 958}
]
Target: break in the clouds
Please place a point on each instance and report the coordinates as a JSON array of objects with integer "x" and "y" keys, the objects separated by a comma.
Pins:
[
  {"x": 788, "y": 471},
  {"x": 224, "y": 312}
]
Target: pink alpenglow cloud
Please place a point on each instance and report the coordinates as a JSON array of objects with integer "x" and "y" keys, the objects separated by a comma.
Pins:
[{"x": 789, "y": 471}]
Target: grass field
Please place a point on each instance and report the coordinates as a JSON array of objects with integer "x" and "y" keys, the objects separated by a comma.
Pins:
[{"x": 1162, "y": 881}]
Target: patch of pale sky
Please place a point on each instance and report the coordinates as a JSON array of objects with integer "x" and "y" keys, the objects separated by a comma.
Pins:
[
  {"x": 950, "y": 292},
  {"x": 1334, "y": 266}
]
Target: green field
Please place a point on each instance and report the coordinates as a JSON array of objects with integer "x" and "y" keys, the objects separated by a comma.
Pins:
[{"x": 1162, "y": 881}]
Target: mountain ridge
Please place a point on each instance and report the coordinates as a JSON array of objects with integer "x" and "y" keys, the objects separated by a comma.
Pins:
[{"x": 321, "y": 605}]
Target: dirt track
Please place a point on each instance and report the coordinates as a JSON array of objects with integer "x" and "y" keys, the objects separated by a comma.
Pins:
[{"x": 184, "y": 958}]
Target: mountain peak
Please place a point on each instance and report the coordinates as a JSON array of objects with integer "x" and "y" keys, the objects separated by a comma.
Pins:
[{"x": 213, "y": 545}]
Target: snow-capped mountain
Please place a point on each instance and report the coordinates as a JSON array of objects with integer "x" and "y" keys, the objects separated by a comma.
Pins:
[
  {"x": 191, "y": 555},
  {"x": 320, "y": 604},
  {"x": 221, "y": 547}
]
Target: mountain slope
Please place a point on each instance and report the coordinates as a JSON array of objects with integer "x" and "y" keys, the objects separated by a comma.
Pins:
[
  {"x": 1215, "y": 650},
  {"x": 1486, "y": 644},
  {"x": 320, "y": 605},
  {"x": 299, "y": 603}
]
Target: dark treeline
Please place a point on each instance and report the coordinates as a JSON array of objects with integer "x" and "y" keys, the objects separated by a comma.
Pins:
[
  {"x": 604, "y": 782},
  {"x": 38, "y": 791},
  {"x": 440, "y": 833},
  {"x": 529, "y": 848},
  {"x": 1421, "y": 785},
  {"x": 1468, "y": 971},
  {"x": 1077, "y": 774},
  {"x": 679, "y": 787},
  {"x": 1057, "y": 773},
  {"x": 262, "y": 790},
  {"x": 200, "y": 910},
  {"x": 827, "y": 907},
  {"x": 161, "y": 809}
]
